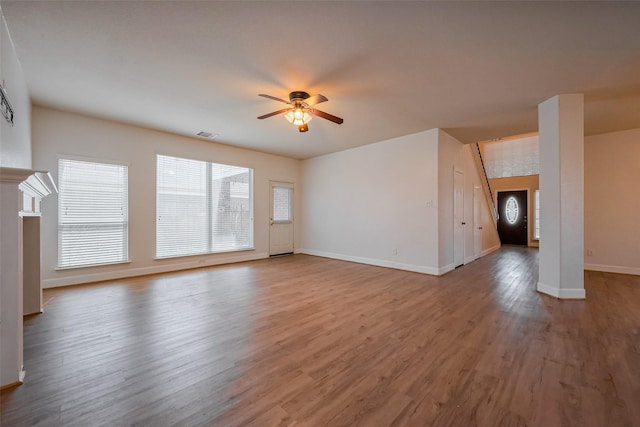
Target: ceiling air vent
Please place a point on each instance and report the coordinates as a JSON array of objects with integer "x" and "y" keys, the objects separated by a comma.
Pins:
[{"x": 207, "y": 135}]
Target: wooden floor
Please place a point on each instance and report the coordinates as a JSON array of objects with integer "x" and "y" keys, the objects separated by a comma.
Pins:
[{"x": 309, "y": 341}]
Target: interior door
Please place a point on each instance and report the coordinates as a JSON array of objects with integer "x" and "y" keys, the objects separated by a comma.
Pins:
[
  {"x": 512, "y": 217},
  {"x": 458, "y": 218},
  {"x": 477, "y": 222},
  {"x": 281, "y": 219}
]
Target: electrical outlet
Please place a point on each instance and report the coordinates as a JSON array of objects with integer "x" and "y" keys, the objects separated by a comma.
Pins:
[
  {"x": 395, "y": 251},
  {"x": 589, "y": 252}
]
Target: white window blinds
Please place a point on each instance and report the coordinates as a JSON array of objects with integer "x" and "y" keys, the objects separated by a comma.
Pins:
[
  {"x": 282, "y": 204},
  {"x": 92, "y": 213},
  {"x": 202, "y": 207}
]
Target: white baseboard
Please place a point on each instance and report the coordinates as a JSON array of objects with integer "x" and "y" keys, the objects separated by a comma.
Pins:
[
  {"x": 378, "y": 262},
  {"x": 490, "y": 250},
  {"x": 446, "y": 269},
  {"x": 561, "y": 293},
  {"x": 143, "y": 271},
  {"x": 21, "y": 375},
  {"x": 613, "y": 269},
  {"x": 482, "y": 253}
]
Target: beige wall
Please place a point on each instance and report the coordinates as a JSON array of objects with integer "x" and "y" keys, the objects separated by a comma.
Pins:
[
  {"x": 612, "y": 202},
  {"x": 58, "y": 133},
  {"x": 529, "y": 183}
]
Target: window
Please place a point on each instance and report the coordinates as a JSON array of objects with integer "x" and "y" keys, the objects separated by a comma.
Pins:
[
  {"x": 93, "y": 220},
  {"x": 282, "y": 204},
  {"x": 536, "y": 203},
  {"x": 511, "y": 210},
  {"x": 517, "y": 157},
  {"x": 202, "y": 207}
]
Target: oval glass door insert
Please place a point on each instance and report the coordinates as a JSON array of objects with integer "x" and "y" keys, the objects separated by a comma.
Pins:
[{"x": 511, "y": 210}]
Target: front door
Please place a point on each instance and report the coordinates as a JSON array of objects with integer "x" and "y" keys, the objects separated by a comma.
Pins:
[
  {"x": 512, "y": 217},
  {"x": 281, "y": 219}
]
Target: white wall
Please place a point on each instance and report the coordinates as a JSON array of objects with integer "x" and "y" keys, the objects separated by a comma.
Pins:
[
  {"x": 56, "y": 132},
  {"x": 15, "y": 142},
  {"x": 612, "y": 202},
  {"x": 15, "y": 152},
  {"x": 448, "y": 162},
  {"x": 363, "y": 203},
  {"x": 561, "y": 263},
  {"x": 453, "y": 155}
]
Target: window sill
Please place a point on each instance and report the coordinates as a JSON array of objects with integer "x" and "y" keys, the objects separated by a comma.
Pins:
[
  {"x": 73, "y": 267},
  {"x": 157, "y": 258}
]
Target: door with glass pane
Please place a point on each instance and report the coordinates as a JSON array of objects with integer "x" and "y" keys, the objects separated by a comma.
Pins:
[
  {"x": 281, "y": 219},
  {"x": 512, "y": 217}
]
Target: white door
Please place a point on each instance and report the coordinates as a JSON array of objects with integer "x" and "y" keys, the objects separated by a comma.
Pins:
[
  {"x": 477, "y": 222},
  {"x": 281, "y": 219},
  {"x": 458, "y": 218}
]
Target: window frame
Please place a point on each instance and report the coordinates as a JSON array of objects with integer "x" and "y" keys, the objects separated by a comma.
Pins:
[
  {"x": 126, "y": 232},
  {"x": 536, "y": 214},
  {"x": 289, "y": 188},
  {"x": 209, "y": 213}
]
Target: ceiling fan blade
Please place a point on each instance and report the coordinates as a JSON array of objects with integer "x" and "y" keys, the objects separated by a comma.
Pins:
[
  {"x": 327, "y": 116},
  {"x": 275, "y": 113},
  {"x": 264, "y": 95},
  {"x": 315, "y": 99}
]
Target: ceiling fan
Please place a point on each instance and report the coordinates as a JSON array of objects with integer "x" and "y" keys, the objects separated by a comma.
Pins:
[{"x": 301, "y": 109}]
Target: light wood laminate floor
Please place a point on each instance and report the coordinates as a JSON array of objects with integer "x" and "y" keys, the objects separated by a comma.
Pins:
[{"x": 308, "y": 341}]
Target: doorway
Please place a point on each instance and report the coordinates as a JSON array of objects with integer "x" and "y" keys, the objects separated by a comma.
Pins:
[
  {"x": 281, "y": 219},
  {"x": 512, "y": 217},
  {"x": 477, "y": 222},
  {"x": 458, "y": 218}
]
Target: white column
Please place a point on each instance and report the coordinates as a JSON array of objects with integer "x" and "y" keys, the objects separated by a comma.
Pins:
[
  {"x": 11, "y": 369},
  {"x": 561, "y": 127}
]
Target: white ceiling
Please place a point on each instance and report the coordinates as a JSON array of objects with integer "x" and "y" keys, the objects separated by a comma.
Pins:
[{"x": 477, "y": 70}]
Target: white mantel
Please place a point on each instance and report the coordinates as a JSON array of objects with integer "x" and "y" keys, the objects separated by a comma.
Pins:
[{"x": 21, "y": 191}]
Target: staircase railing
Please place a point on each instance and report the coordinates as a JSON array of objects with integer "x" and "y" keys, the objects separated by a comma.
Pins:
[{"x": 477, "y": 156}]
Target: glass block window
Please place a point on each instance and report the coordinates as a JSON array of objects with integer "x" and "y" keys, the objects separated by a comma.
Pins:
[{"x": 516, "y": 157}]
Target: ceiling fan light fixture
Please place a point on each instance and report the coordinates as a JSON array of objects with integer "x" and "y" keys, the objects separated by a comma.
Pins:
[
  {"x": 289, "y": 116},
  {"x": 298, "y": 117},
  {"x": 301, "y": 109}
]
